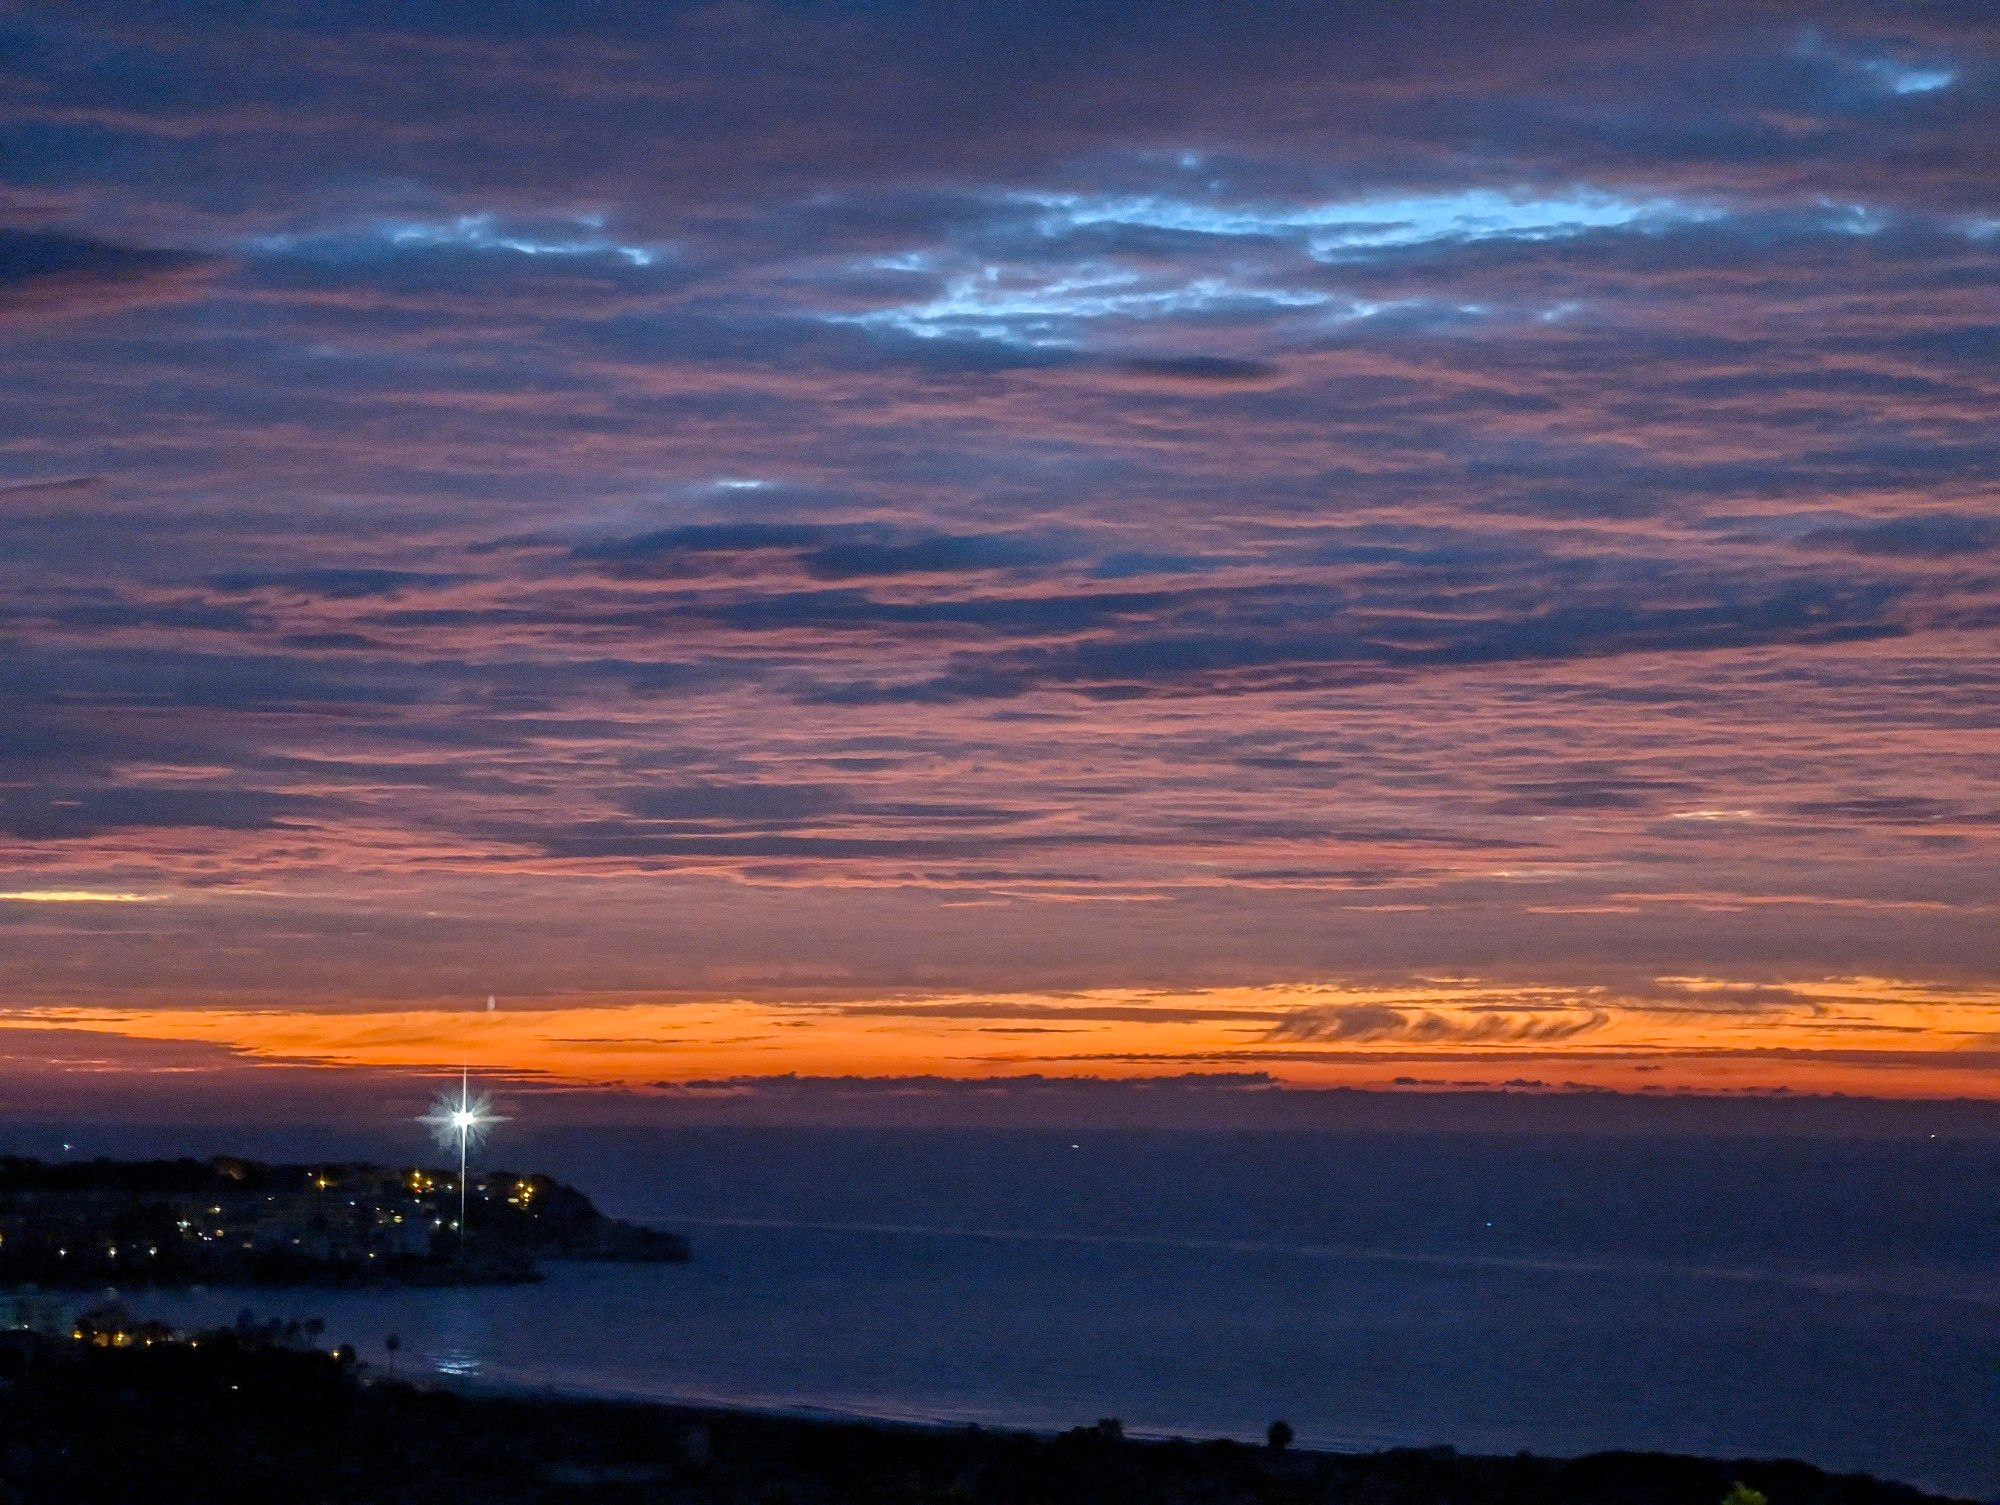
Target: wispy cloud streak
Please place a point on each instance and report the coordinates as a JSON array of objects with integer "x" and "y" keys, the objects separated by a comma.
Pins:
[{"x": 995, "y": 499}]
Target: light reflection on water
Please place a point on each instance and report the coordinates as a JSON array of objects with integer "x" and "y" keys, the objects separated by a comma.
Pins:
[
  {"x": 1831, "y": 1298},
  {"x": 1212, "y": 1340}
]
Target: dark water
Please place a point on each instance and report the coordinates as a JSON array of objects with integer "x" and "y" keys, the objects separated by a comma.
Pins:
[{"x": 1831, "y": 1299}]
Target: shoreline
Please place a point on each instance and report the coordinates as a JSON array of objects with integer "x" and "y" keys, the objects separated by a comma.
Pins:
[
  {"x": 1352, "y": 1450},
  {"x": 442, "y": 1353},
  {"x": 247, "y": 1412},
  {"x": 777, "y": 1410},
  {"x": 1299, "y": 1457}
]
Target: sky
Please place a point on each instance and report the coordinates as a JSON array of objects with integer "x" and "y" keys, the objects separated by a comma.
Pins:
[{"x": 905, "y": 549}]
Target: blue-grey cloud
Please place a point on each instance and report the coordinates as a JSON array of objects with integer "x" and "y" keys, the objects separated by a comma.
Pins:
[
  {"x": 55, "y": 813},
  {"x": 50, "y": 274},
  {"x": 335, "y": 582},
  {"x": 1219, "y": 660},
  {"x": 757, "y": 804},
  {"x": 1933, "y": 535}
]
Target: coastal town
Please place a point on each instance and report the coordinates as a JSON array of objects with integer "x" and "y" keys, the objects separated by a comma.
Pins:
[{"x": 103, "y": 1223}]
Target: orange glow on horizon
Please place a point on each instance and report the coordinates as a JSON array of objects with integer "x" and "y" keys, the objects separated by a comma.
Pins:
[{"x": 1862, "y": 1036}]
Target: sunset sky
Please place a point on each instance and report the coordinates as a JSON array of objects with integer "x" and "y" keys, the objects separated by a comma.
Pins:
[{"x": 1379, "y": 545}]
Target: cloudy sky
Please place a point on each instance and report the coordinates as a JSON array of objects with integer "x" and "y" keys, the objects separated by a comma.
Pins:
[{"x": 1295, "y": 544}]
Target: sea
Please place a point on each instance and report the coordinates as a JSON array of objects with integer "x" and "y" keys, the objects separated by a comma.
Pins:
[{"x": 1831, "y": 1298}]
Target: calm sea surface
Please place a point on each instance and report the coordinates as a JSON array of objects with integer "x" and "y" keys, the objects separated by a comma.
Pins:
[{"x": 1830, "y": 1299}]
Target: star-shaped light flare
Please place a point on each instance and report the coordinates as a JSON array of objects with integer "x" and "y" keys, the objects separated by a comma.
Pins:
[{"x": 461, "y": 1121}]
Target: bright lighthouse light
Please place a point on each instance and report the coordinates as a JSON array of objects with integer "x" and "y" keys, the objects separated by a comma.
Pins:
[{"x": 460, "y": 1120}]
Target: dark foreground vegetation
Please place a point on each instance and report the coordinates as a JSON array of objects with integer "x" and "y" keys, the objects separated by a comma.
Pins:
[
  {"x": 86, "y": 1225},
  {"x": 250, "y": 1416}
]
